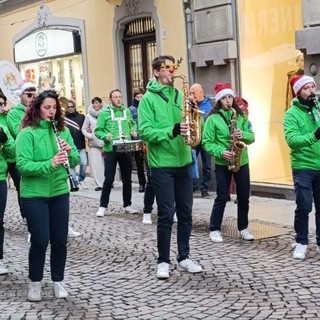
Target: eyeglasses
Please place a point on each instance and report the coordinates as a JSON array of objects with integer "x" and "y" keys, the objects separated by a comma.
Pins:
[
  {"x": 3, "y": 104},
  {"x": 169, "y": 66},
  {"x": 30, "y": 95}
]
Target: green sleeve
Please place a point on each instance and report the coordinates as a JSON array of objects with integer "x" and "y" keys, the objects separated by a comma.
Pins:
[{"x": 25, "y": 156}]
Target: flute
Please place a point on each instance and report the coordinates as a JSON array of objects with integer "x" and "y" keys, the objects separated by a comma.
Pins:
[{"x": 73, "y": 186}]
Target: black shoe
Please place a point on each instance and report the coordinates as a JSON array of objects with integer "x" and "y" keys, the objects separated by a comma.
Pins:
[
  {"x": 205, "y": 194},
  {"x": 98, "y": 189},
  {"x": 141, "y": 188}
]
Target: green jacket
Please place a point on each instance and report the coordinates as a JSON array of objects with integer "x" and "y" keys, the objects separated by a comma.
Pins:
[
  {"x": 300, "y": 123},
  {"x": 14, "y": 118},
  {"x": 216, "y": 136},
  {"x": 106, "y": 125},
  {"x": 35, "y": 148},
  {"x": 6, "y": 151},
  {"x": 3, "y": 121},
  {"x": 157, "y": 118}
]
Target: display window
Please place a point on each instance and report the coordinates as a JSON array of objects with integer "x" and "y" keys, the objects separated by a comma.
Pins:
[{"x": 65, "y": 75}]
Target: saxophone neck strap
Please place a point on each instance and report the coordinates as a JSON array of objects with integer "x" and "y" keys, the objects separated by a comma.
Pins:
[
  {"x": 224, "y": 118},
  {"x": 166, "y": 99}
]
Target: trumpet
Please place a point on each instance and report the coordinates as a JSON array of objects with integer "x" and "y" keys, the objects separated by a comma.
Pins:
[{"x": 73, "y": 186}]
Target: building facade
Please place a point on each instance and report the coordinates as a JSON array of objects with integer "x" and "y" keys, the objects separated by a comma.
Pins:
[{"x": 90, "y": 47}]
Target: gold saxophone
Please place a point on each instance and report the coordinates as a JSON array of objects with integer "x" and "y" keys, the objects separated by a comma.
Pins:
[
  {"x": 235, "y": 145},
  {"x": 191, "y": 115}
]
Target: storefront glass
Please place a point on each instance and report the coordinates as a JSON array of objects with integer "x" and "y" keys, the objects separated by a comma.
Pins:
[
  {"x": 268, "y": 58},
  {"x": 64, "y": 75}
]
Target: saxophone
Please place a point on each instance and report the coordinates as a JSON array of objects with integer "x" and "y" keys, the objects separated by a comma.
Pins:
[
  {"x": 190, "y": 115},
  {"x": 235, "y": 145}
]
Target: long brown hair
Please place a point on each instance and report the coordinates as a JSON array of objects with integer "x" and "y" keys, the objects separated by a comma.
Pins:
[
  {"x": 218, "y": 106},
  {"x": 32, "y": 117}
]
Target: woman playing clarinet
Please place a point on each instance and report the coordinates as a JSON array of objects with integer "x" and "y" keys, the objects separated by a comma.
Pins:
[{"x": 44, "y": 189}]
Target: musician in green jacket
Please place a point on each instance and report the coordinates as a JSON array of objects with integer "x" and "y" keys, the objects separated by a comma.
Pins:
[
  {"x": 42, "y": 160},
  {"x": 225, "y": 124},
  {"x": 115, "y": 124},
  {"x": 169, "y": 159},
  {"x": 6, "y": 151}
]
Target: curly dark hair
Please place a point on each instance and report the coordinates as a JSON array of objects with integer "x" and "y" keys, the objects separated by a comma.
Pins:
[{"x": 32, "y": 117}]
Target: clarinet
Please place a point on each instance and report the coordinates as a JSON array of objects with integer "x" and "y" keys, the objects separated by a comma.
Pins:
[{"x": 73, "y": 186}]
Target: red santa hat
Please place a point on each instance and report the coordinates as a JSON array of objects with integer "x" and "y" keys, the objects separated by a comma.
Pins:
[
  {"x": 222, "y": 89},
  {"x": 298, "y": 82}
]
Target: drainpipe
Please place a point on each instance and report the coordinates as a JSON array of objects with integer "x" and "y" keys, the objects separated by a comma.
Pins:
[{"x": 189, "y": 33}]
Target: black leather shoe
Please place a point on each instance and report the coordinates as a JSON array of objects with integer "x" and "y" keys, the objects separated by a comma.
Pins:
[
  {"x": 141, "y": 189},
  {"x": 205, "y": 194},
  {"x": 98, "y": 189}
]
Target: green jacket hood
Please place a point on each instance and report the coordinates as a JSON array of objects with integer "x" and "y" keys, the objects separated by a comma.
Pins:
[
  {"x": 19, "y": 106},
  {"x": 155, "y": 87}
]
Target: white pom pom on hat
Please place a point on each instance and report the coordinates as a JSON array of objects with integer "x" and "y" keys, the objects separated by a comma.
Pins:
[{"x": 24, "y": 85}]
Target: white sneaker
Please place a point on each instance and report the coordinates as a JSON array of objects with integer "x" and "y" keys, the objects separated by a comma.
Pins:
[
  {"x": 34, "y": 291},
  {"x": 163, "y": 270},
  {"x": 3, "y": 269},
  {"x": 59, "y": 290},
  {"x": 216, "y": 236},
  {"x": 246, "y": 235},
  {"x": 190, "y": 266},
  {"x": 72, "y": 233},
  {"x": 130, "y": 209},
  {"x": 300, "y": 251},
  {"x": 83, "y": 185},
  {"x": 101, "y": 212},
  {"x": 147, "y": 218}
]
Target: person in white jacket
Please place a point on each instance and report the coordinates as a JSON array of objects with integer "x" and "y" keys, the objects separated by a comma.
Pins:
[{"x": 95, "y": 145}]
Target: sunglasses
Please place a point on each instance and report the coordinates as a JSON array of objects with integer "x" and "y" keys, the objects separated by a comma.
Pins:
[
  {"x": 30, "y": 95},
  {"x": 3, "y": 104},
  {"x": 169, "y": 66}
]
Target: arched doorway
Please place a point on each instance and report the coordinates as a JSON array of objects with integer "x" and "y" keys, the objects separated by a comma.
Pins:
[{"x": 140, "y": 49}]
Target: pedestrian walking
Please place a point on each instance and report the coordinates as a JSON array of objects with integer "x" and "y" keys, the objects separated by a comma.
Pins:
[
  {"x": 42, "y": 158},
  {"x": 95, "y": 145},
  {"x": 302, "y": 132},
  {"x": 74, "y": 121},
  {"x": 169, "y": 159},
  {"x": 227, "y": 131}
]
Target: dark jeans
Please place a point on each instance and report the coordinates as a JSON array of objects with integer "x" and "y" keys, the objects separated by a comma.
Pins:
[
  {"x": 206, "y": 169},
  {"x": 242, "y": 179},
  {"x": 15, "y": 175},
  {"x": 306, "y": 186},
  {"x": 140, "y": 167},
  {"x": 47, "y": 220},
  {"x": 110, "y": 165},
  {"x": 173, "y": 187},
  {"x": 148, "y": 199},
  {"x": 3, "y": 202}
]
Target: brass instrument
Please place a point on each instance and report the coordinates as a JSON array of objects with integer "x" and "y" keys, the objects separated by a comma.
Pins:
[
  {"x": 73, "y": 186},
  {"x": 190, "y": 115},
  {"x": 235, "y": 145},
  {"x": 64, "y": 104}
]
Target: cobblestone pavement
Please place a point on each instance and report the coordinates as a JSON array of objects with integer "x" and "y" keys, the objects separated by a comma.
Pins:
[{"x": 110, "y": 274}]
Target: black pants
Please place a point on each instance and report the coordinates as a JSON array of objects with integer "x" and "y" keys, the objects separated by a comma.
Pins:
[{"x": 110, "y": 165}]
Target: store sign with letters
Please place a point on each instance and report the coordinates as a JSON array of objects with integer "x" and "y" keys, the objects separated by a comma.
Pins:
[{"x": 44, "y": 44}]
